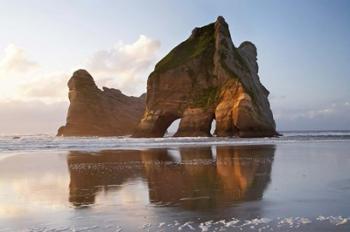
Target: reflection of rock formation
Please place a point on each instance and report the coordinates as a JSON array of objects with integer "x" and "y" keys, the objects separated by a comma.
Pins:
[
  {"x": 197, "y": 182},
  {"x": 160, "y": 171},
  {"x": 244, "y": 171},
  {"x": 91, "y": 173}
]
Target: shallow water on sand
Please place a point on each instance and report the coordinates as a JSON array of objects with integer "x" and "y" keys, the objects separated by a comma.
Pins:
[{"x": 299, "y": 186}]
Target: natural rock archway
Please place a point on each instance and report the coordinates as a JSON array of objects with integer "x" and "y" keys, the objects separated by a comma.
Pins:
[{"x": 205, "y": 78}]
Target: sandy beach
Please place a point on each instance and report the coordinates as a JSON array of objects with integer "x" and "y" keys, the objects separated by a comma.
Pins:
[{"x": 282, "y": 186}]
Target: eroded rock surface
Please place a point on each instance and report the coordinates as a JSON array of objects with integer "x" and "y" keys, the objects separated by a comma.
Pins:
[
  {"x": 205, "y": 78},
  {"x": 95, "y": 112}
]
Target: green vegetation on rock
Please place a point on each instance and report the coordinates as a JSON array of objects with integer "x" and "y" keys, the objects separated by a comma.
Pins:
[{"x": 202, "y": 42}]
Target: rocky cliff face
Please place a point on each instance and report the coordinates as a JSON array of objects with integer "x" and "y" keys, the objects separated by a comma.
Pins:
[
  {"x": 95, "y": 112},
  {"x": 205, "y": 78}
]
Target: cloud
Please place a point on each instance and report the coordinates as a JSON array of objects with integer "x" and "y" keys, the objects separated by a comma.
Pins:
[
  {"x": 31, "y": 99},
  {"x": 31, "y": 117},
  {"x": 16, "y": 70},
  {"x": 329, "y": 111},
  {"x": 15, "y": 60},
  {"x": 125, "y": 66},
  {"x": 34, "y": 100},
  {"x": 329, "y": 117},
  {"x": 51, "y": 87}
]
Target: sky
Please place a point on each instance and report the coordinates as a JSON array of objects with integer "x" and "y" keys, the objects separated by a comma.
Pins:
[{"x": 303, "y": 53}]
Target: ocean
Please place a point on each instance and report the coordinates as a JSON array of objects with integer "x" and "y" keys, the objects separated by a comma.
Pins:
[{"x": 24, "y": 143}]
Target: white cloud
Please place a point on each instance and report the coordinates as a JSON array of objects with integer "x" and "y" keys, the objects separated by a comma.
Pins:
[
  {"x": 319, "y": 113},
  {"x": 125, "y": 66},
  {"x": 50, "y": 87},
  {"x": 16, "y": 70},
  {"x": 34, "y": 100},
  {"x": 15, "y": 60}
]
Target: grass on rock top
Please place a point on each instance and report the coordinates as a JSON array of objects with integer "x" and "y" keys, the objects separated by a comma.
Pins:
[{"x": 203, "y": 41}]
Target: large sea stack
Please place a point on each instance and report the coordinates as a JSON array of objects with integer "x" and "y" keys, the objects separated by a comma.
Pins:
[
  {"x": 95, "y": 112},
  {"x": 205, "y": 78}
]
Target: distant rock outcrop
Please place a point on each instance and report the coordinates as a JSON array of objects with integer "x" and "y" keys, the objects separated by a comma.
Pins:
[
  {"x": 95, "y": 112},
  {"x": 205, "y": 78}
]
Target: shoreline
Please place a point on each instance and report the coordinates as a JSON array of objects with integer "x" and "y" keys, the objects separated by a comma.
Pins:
[{"x": 254, "y": 187}]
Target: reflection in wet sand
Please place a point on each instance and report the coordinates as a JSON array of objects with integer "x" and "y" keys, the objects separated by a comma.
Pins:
[
  {"x": 91, "y": 173},
  {"x": 191, "y": 183},
  {"x": 200, "y": 180},
  {"x": 244, "y": 172}
]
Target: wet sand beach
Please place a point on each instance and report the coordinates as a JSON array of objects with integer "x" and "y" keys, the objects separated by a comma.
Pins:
[{"x": 299, "y": 186}]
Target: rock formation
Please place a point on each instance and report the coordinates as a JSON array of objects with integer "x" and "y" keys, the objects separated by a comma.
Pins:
[
  {"x": 95, "y": 112},
  {"x": 205, "y": 78}
]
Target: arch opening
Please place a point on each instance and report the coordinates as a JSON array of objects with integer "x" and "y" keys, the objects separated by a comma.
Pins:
[
  {"x": 172, "y": 129},
  {"x": 213, "y": 127}
]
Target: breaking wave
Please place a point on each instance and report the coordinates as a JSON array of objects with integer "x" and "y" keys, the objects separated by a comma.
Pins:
[{"x": 49, "y": 142}]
